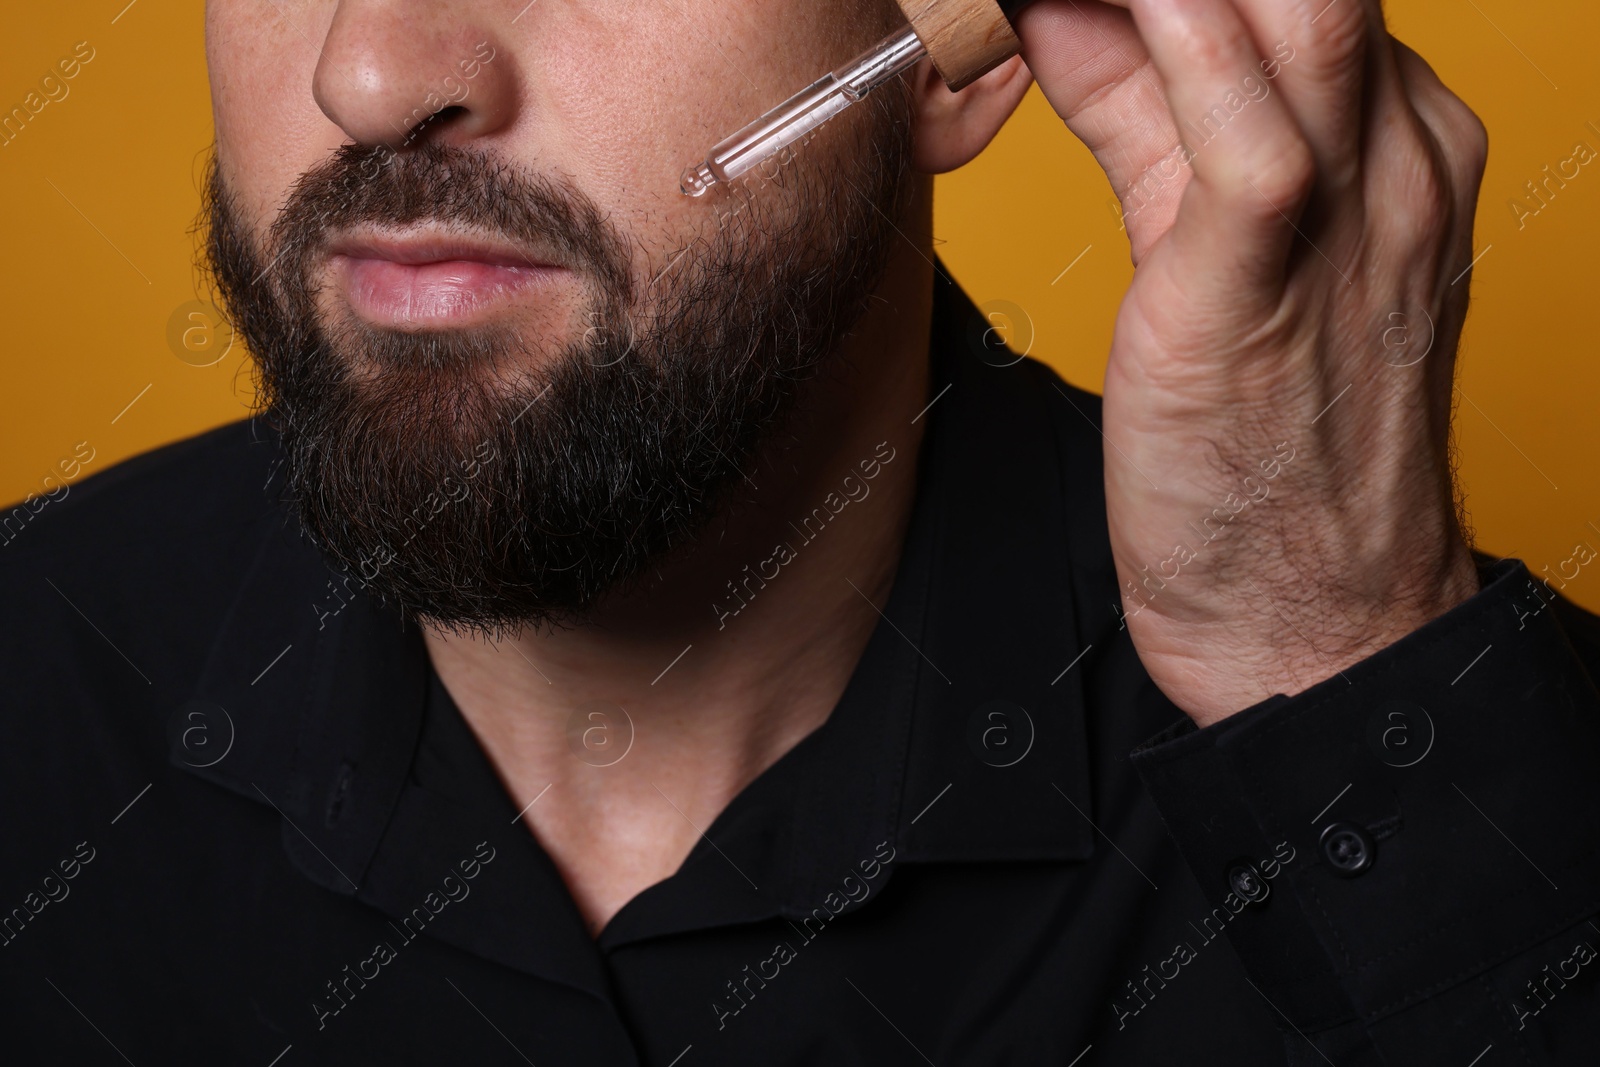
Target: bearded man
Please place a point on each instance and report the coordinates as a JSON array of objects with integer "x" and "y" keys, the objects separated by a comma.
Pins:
[{"x": 650, "y": 629}]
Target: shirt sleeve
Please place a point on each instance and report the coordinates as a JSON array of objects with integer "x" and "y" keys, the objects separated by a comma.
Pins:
[{"x": 1406, "y": 857}]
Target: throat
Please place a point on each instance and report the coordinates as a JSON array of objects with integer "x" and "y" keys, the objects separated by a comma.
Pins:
[{"x": 605, "y": 866}]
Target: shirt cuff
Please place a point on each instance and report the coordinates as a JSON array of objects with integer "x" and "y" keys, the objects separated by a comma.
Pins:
[{"x": 1407, "y": 824}]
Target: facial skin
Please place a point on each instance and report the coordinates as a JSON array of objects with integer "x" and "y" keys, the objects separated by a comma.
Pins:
[
  {"x": 496, "y": 406},
  {"x": 601, "y": 106}
]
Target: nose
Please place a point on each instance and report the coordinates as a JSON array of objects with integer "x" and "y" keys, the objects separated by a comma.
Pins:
[{"x": 394, "y": 71}]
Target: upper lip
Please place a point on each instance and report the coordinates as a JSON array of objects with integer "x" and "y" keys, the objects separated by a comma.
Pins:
[{"x": 415, "y": 247}]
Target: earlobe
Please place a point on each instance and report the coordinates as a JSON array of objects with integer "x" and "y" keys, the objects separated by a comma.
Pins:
[{"x": 950, "y": 129}]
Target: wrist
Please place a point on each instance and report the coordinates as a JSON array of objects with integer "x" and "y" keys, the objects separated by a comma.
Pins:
[{"x": 1274, "y": 636}]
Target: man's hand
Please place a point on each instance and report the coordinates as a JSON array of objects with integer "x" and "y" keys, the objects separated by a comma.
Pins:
[{"x": 1298, "y": 189}]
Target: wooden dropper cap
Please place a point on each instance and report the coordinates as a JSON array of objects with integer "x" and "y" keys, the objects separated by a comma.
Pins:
[{"x": 966, "y": 39}]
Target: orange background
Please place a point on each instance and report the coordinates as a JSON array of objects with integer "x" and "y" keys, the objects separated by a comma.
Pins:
[{"x": 101, "y": 188}]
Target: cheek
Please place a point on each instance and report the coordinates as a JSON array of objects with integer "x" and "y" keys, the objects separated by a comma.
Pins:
[
  {"x": 624, "y": 117},
  {"x": 269, "y": 129},
  {"x": 628, "y": 156},
  {"x": 625, "y": 106}
]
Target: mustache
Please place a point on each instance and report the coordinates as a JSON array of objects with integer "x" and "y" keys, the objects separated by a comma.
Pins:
[{"x": 449, "y": 185}]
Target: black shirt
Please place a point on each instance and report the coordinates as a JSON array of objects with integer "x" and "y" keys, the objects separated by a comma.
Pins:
[{"x": 245, "y": 824}]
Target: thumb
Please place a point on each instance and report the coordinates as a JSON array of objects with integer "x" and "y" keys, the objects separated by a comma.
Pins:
[{"x": 1093, "y": 68}]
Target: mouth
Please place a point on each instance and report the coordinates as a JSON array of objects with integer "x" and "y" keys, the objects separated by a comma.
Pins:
[{"x": 425, "y": 278}]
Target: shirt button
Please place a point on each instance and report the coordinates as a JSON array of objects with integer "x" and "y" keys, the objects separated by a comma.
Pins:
[
  {"x": 1347, "y": 848},
  {"x": 1247, "y": 882}
]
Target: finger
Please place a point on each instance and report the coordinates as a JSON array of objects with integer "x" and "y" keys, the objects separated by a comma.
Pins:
[
  {"x": 1315, "y": 54},
  {"x": 1459, "y": 136},
  {"x": 1254, "y": 172},
  {"x": 1438, "y": 159},
  {"x": 1094, "y": 70}
]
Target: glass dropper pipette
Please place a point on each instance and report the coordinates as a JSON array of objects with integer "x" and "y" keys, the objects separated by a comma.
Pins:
[{"x": 804, "y": 112}]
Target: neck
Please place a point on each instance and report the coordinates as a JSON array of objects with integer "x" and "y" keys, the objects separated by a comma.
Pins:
[{"x": 636, "y": 729}]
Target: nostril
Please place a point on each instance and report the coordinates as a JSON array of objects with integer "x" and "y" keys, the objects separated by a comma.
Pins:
[
  {"x": 438, "y": 120},
  {"x": 446, "y": 114}
]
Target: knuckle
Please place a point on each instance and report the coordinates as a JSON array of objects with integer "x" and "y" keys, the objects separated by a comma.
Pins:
[
  {"x": 1453, "y": 124},
  {"x": 1287, "y": 176},
  {"x": 1209, "y": 48},
  {"x": 1469, "y": 136}
]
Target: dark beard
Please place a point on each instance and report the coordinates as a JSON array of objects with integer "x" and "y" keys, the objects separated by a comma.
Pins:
[{"x": 473, "y": 485}]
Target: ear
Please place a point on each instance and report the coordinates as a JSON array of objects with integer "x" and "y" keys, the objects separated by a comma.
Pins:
[{"x": 950, "y": 129}]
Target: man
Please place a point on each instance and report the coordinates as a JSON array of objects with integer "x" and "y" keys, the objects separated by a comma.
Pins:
[{"x": 645, "y": 629}]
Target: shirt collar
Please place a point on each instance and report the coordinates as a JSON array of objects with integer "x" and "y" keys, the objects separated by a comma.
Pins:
[
  {"x": 954, "y": 742},
  {"x": 329, "y": 734},
  {"x": 998, "y": 733}
]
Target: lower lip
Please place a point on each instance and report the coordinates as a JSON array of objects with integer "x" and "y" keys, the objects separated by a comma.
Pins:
[{"x": 448, "y": 292}]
